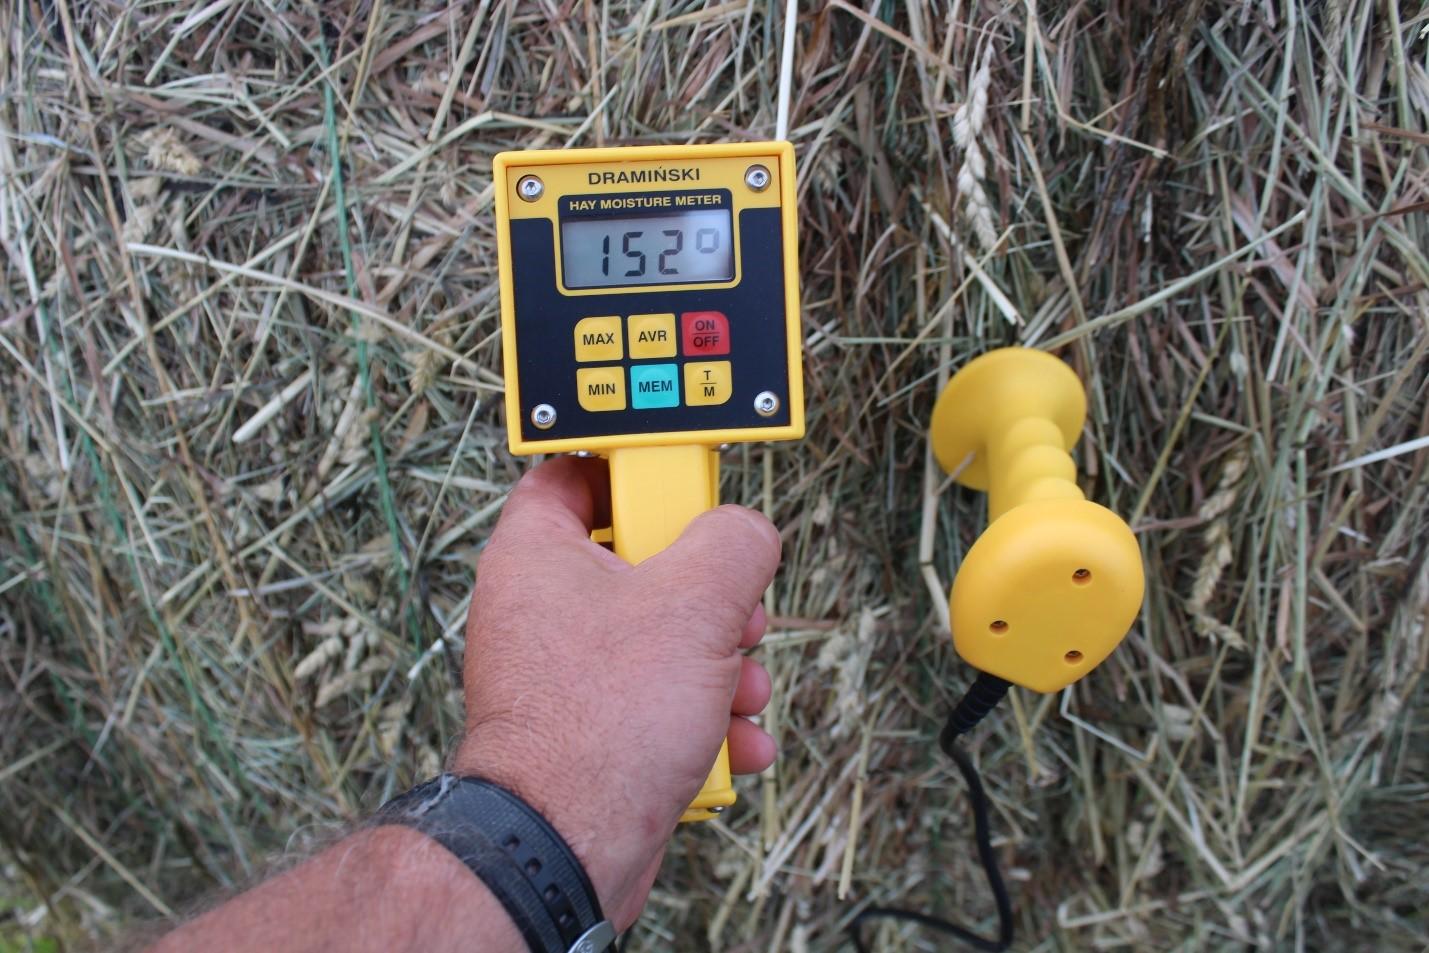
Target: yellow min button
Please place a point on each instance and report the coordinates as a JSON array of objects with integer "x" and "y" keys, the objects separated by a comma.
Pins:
[
  {"x": 652, "y": 335},
  {"x": 708, "y": 383},
  {"x": 601, "y": 388},
  {"x": 598, "y": 339}
]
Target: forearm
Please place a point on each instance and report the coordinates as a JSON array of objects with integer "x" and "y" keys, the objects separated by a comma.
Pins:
[
  {"x": 597, "y": 692},
  {"x": 384, "y": 889}
]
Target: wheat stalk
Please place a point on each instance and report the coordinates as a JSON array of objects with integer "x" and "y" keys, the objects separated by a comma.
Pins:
[
  {"x": 1219, "y": 552},
  {"x": 968, "y": 124}
]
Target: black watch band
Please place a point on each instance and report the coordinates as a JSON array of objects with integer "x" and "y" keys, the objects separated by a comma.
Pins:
[{"x": 516, "y": 853}]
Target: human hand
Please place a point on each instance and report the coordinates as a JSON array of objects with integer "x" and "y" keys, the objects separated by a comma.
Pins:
[{"x": 600, "y": 691}]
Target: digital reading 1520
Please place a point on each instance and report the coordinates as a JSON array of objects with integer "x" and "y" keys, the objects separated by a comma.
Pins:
[{"x": 687, "y": 246}]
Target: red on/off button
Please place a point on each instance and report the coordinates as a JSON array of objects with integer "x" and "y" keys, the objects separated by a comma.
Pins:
[{"x": 704, "y": 332}]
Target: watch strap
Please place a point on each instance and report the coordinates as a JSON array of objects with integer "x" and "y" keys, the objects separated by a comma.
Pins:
[{"x": 516, "y": 853}]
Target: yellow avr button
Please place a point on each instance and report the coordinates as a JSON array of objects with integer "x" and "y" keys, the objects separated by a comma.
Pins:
[
  {"x": 601, "y": 388},
  {"x": 652, "y": 335},
  {"x": 598, "y": 339}
]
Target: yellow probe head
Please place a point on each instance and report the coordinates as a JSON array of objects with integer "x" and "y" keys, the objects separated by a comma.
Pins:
[{"x": 1055, "y": 581}]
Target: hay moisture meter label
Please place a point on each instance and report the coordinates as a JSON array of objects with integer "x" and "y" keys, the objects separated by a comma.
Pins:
[{"x": 649, "y": 314}]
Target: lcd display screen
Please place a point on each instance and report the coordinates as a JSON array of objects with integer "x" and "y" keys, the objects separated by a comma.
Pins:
[{"x": 679, "y": 248}]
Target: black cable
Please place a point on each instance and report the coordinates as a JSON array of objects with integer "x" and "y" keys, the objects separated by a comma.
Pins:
[{"x": 980, "y": 699}]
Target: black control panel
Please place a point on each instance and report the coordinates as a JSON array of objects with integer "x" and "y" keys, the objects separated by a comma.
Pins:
[{"x": 655, "y": 360}]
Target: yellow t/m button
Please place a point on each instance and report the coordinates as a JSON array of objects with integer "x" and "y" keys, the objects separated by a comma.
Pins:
[
  {"x": 708, "y": 383},
  {"x": 598, "y": 339},
  {"x": 601, "y": 388},
  {"x": 652, "y": 335}
]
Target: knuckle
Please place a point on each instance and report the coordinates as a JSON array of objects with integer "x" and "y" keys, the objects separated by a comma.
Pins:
[
  {"x": 756, "y": 535},
  {"x": 694, "y": 590}
]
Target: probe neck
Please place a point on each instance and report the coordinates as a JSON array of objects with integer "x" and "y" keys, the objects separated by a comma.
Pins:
[{"x": 981, "y": 697}]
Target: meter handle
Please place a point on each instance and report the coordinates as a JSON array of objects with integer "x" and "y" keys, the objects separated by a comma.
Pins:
[
  {"x": 654, "y": 494},
  {"x": 1055, "y": 581}
]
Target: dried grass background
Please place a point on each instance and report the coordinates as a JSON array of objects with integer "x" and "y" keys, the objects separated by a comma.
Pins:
[{"x": 251, "y": 443}]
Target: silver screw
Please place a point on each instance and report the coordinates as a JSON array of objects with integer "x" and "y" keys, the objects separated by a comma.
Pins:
[
  {"x": 766, "y": 403},
  {"x": 716, "y": 810},
  {"x": 530, "y": 188},
  {"x": 543, "y": 416},
  {"x": 757, "y": 178},
  {"x": 723, "y": 447}
]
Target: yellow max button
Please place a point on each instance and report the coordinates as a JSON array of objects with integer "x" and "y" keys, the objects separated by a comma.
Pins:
[
  {"x": 652, "y": 335},
  {"x": 598, "y": 339},
  {"x": 707, "y": 383},
  {"x": 601, "y": 388}
]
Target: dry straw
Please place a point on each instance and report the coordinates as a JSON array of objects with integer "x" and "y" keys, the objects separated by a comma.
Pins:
[{"x": 251, "y": 444}]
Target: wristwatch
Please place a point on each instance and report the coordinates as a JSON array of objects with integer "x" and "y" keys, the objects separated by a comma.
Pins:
[{"x": 516, "y": 853}]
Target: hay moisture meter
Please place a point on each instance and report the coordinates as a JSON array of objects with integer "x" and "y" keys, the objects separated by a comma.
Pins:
[{"x": 649, "y": 314}]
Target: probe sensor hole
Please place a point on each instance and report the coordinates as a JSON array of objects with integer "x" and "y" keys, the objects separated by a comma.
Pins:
[
  {"x": 1082, "y": 576},
  {"x": 1073, "y": 657},
  {"x": 998, "y": 628}
]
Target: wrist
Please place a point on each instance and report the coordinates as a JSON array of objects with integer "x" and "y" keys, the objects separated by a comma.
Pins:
[
  {"x": 372, "y": 891},
  {"x": 615, "y": 849},
  {"x": 419, "y": 874},
  {"x": 515, "y": 852}
]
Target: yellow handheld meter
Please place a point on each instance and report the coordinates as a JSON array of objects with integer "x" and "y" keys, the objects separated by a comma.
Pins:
[{"x": 650, "y": 313}]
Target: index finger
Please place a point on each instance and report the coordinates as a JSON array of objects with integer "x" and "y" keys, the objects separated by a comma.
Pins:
[{"x": 565, "y": 496}]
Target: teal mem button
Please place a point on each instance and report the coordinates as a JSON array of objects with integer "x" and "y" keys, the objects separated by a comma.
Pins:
[{"x": 654, "y": 385}]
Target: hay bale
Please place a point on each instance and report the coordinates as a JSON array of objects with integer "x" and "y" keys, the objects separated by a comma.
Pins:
[{"x": 251, "y": 443}]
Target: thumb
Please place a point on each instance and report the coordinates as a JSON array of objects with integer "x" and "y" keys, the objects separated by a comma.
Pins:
[{"x": 720, "y": 565}]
